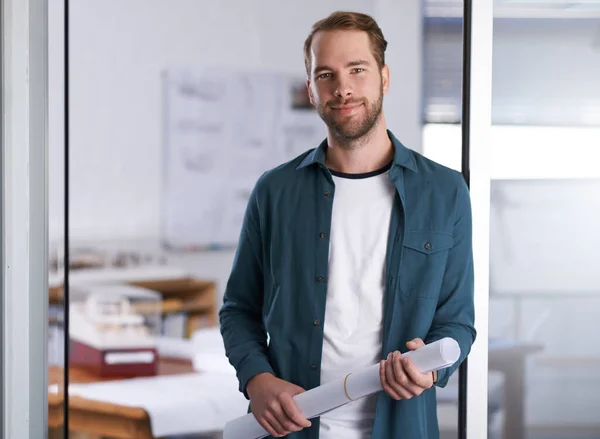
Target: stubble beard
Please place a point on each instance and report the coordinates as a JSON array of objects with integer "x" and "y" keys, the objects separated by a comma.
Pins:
[{"x": 351, "y": 134}]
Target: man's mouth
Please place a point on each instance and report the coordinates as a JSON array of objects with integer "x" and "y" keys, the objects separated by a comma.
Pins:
[{"x": 346, "y": 109}]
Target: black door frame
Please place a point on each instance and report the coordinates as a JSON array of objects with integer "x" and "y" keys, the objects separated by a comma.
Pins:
[{"x": 465, "y": 170}]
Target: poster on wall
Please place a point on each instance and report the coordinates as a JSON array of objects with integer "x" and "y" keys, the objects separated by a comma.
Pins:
[{"x": 222, "y": 129}]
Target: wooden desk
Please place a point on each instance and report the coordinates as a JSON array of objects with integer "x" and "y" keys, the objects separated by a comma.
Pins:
[
  {"x": 99, "y": 418},
  {"x": 194, "y": 297}
]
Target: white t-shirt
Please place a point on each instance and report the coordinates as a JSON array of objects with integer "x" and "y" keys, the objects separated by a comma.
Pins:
[{"x": 362, "y": 209}]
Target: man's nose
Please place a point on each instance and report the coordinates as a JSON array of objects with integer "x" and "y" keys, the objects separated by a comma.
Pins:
[{"x": 343, "y": 89}]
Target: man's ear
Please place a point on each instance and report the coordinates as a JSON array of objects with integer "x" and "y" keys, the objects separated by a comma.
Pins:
[
  {"x": 310, "y": 93},
  {"x": 385, "y": 78}
]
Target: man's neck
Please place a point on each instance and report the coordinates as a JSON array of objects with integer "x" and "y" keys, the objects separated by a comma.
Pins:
[{"x": 368, "y": 154}]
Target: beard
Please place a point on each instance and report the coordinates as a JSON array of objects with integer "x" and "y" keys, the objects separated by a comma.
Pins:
[{"x": 349, "y": 130}]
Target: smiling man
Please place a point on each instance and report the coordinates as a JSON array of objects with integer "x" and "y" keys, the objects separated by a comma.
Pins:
[{"x": 351, "y": 254}]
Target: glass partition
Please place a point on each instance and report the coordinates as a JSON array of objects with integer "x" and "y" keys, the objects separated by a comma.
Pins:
[
  {"x": 545, "y": 202},
  {"x": 175, "y": 110}
]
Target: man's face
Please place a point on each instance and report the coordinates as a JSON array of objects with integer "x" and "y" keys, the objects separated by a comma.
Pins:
[{"x": 346, "y": 85}]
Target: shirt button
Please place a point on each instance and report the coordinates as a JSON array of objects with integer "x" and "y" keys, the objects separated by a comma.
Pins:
[
  {"x": 322, "y": 235},
  {"x": 327, "y": 193},
  {"x": 313, "y": 366},
  {"x": 427, "y": 246},
  {"x": 319, "y": 278},
  {"x": 317, "y": 322}
]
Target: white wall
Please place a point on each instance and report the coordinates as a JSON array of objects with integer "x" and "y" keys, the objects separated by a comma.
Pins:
[{"x": 402, "y": 25}]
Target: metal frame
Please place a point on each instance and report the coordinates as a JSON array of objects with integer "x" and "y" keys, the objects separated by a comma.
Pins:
[
  {"x": 67, "y": 245},
  {"x": 24, "y": 239},
  {"x": 466, "y": 172},
  {"x": 1, "y": 218},
  {"x": 477, "y": 121}
]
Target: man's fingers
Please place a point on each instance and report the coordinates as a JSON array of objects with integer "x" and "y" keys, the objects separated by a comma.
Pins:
[
  {"x": 396, "y": 378},
  {"x": 290, "y": 409},
  {"x": 415, "y": 343},
  {"x": 267, "y": 426},
  {"x": 264, "y": 423},
  {"x": 400, "y": 376},
  {"x": 273, "y": 418},
  {"x": 384, "y": 382},
  {"x": 414, "y": 374},
  {"x": 404, "y": 384},
  {"x": 390, "y": 374},
  {"x": 399, "y": 380}
]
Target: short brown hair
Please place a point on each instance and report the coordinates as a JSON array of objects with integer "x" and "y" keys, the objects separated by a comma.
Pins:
[{"x": 341, "y": 20}]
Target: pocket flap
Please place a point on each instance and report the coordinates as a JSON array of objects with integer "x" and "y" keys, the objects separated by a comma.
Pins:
[{"x": 428, "y": 242}]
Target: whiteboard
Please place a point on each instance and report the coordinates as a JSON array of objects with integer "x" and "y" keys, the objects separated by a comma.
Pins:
[
  {"x": 223, "y": 129},
  {"x": 545, "y": 237}
]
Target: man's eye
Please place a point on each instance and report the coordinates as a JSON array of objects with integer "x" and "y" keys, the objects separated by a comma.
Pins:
[
  {"x": 324, "y": 75},
  {"x": 358, "y": 70}
]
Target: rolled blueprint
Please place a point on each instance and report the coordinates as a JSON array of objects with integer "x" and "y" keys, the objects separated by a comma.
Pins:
[{"x": 329, "y": 396}]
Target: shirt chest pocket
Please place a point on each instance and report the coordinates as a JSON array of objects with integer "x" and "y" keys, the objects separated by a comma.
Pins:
[{"x": 424, "y": 257}]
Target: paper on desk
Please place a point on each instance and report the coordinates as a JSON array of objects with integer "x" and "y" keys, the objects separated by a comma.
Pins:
[
  {"x": 176, "y": 404},
  {"x": 205, "y": 341},
  {"x": 331, "y": 395},
  {"x": 174, "y": 347}
]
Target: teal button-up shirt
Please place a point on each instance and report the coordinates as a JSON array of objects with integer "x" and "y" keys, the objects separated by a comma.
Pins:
[{"x": 278, "y": 282}]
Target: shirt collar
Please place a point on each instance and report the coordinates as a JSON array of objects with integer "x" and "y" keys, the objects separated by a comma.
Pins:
[{"x": 402, "y": 155}]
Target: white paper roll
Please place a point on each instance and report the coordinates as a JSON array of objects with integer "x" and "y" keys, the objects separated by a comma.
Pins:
[{"x": 314, "y": 402}]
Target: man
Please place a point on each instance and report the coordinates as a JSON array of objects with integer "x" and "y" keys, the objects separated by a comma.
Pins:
[{"x": 350, "y": 254}]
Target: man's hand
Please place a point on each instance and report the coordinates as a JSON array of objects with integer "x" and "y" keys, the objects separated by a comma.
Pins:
[
  {"x": 400, "y": 378},
  {"x": 272, "y": 405}
]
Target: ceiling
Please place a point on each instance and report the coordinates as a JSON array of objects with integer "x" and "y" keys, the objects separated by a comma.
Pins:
[{"x": 521, "y": 8}]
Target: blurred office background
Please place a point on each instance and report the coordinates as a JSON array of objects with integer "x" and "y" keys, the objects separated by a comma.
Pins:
[
  {"x": 177, "y": 107},
  {"x": 545, "y": 204}
]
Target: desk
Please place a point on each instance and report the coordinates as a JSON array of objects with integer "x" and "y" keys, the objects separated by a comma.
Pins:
[
  {"x": 196, "y": 298},
  {"x": 510, "y": 359},
  {"x": 100, "y": 418}
]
